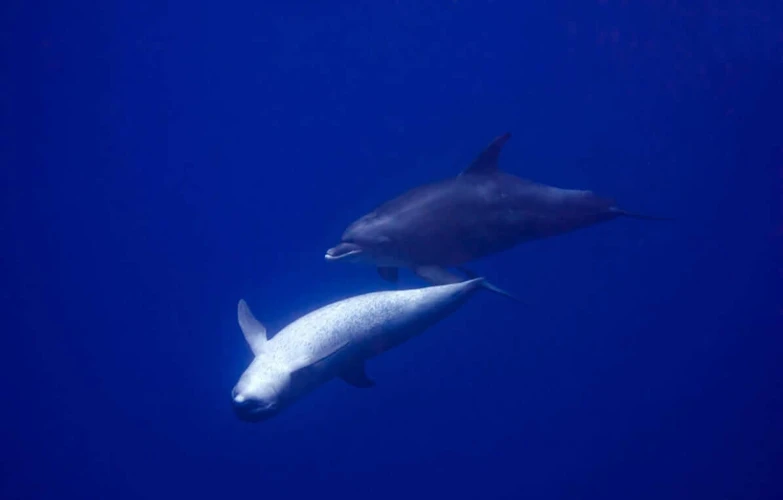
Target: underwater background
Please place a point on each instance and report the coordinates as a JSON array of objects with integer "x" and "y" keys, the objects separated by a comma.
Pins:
[{"x": 162, "y": 160}]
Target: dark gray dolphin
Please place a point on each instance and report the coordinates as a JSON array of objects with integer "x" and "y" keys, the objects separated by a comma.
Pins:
[{"x": 480, "y": 212}]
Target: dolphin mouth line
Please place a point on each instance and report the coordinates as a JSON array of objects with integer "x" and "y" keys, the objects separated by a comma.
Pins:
[
  {"x": 258, "y": 414},
  {"x": 331, "y": 257}
]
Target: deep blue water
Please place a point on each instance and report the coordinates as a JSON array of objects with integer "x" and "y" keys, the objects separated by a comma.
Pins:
[{"x": 162, "y": 160}]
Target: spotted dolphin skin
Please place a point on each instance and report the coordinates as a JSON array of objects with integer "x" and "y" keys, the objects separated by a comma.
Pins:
[
  {"x": 480, "y": 212},
  {"x": 334, "y": 342}
]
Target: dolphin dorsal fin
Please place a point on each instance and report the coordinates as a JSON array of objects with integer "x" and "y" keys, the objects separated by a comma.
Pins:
[
  {"x": 487, "y": 161},
  {"x": 252, "y": 329}
]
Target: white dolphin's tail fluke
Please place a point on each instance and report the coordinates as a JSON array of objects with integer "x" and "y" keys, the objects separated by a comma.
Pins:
[
  {"x": 439, "y": 276},
  {"x": 492, "y": 288},
  {"x": 489, "y": 286}
]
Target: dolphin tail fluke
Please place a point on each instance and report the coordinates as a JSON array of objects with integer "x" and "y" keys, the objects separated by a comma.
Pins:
[
  {"x": 489, "y": 286},
  {"x": 492, "y": 288},
  {"x": 439, "y": 276},
  {"x": 634, "y": 215}
]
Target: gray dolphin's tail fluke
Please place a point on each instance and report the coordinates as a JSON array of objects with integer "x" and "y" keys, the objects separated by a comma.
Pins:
[{"x": 634, "y": 215}]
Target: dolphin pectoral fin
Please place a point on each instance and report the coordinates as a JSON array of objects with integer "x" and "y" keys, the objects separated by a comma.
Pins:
[
  {"x": 304, "y": 366},
  {"x": 252, "y": 329},
  {"x": 487, "y": 161},
  {"x": 436, "y": 275},
  {"x": 356, "y": 376},
  {"x": 390, "y": 274}
]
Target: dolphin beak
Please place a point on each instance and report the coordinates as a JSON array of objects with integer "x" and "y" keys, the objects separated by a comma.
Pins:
[
  {"x": 252, "y": 411},
  {"x": 342, "y": 251}
]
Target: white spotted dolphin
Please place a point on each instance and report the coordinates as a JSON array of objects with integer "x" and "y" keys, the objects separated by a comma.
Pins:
[
  {"x": 478, "y": 213},
  {"x": 334, "y": 342}
]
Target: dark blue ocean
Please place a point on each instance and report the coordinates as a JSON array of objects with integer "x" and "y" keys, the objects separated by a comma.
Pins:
[{"x": 162, "y": 160}]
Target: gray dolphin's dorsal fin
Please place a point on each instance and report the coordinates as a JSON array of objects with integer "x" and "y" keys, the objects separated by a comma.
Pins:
[
  {"x": 356, "y": 376},
  {"x": 487, "y": 161},
  {"x": 252, "y": 329}
]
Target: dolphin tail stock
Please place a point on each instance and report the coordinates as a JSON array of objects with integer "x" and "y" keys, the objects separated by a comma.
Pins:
[
  {"x": 634, "y": 215},
  {"x": 439, "y": 276}
]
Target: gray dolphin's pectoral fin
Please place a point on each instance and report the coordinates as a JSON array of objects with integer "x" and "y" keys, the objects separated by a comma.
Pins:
[
  {"x": 436, "y": 275},
  {"x": 390, "y": 274},
  {"x": 356, "y": 376},
  {"x": 252, "y": 329},
  {"x": 487, "y": 161}
]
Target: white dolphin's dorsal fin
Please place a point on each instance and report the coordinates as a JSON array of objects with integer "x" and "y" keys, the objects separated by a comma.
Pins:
[
  {"x": 252, "y": 329},
  {"x": 487, "y": 161}
]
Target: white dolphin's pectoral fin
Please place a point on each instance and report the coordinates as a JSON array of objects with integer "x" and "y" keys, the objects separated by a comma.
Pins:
[
  {"x": 306, "y": 364},
  {"x": 304, "y": 369},
  {"x": 252, "y": 329},
  {"x": 436, "y": 275},
  {"x": 356, "y": 376}
]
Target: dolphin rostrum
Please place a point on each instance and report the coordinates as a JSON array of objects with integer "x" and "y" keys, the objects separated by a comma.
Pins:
[
  {"x": 480, "y": 212},
  {"x": 334, "y": 342}
]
